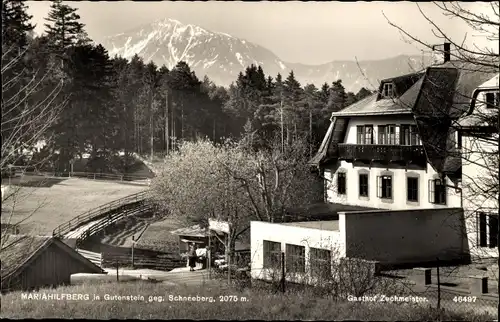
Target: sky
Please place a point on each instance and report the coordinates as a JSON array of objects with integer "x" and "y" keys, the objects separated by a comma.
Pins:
[{"x": 302, "y": 32}]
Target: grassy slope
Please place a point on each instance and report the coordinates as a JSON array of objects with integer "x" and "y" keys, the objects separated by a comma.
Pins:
[
  {"x": 158, "y": 237},
  {"x": 259, "y": 304},
  {"x": 53, "y": 205}
]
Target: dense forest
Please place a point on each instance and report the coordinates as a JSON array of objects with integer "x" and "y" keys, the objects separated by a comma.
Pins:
[{"x": 107, "y": 108}]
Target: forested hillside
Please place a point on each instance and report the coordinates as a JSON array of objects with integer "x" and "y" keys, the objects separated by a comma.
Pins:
[{"x": 89, "y": 103}]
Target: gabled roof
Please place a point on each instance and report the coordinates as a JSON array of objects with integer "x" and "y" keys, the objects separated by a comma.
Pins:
[
  {"x": 402, "y": 83},
  {"x": 374, "y": 105},
  {"x": 435, "y": 98},
  {"x": 20, "y": 250}
]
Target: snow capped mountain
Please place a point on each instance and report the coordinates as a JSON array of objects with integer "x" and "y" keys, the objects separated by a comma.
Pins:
[{"x": 222, "y": 56}]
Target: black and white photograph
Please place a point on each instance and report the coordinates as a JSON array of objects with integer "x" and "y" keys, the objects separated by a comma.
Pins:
[{"x": 250, "y": 160}]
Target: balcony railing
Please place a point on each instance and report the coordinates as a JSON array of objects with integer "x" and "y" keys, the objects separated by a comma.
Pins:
[{"x": 382, "y": 153}]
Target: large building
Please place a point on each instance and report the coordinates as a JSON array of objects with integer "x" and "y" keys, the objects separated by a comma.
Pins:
[
  {"x": 397, "y": 153},
  {"x": 479, "y": 144}
]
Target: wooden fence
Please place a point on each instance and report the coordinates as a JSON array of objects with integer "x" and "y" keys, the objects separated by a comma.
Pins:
[
  {"x": 142, "y": 261},
  {"x": 88, "y": 175},
  {"x": 98, "y": 212},
  {"x": 95, "y": 258},
  {"x": 113, "y": 216}
]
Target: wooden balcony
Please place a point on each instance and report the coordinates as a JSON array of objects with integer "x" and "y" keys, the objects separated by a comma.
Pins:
[{"x": 382, "y": 153}]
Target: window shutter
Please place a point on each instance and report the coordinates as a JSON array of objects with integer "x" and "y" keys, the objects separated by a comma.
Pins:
[
  {"x": 391, "y": 189},
  {"x": 380, "y": 134},
  {"x": 359, "y": 134},
  {"x": 379, "y": 186},
  {"x": 431, "y": 191},
  {"x": 493, "y": 226},
  {"x": 482, "y": 230}
]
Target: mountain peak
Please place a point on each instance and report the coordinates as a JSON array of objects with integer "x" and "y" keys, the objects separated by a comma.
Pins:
[{"x": 221, "y": 56}]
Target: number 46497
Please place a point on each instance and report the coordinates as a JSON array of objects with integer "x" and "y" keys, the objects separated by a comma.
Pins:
[{"x": 465, "y": 299}]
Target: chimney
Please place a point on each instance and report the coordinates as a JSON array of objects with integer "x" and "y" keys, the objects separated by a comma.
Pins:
[
  {"x": 446, "y": 52},
  {"x": 437, "y": 59}
]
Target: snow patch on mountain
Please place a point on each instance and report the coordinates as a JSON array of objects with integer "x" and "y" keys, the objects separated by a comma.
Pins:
[{"x": 240, "y": 59}]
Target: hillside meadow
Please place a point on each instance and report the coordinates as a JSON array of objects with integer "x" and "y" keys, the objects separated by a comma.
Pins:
[{"x": 161, "y": 301}]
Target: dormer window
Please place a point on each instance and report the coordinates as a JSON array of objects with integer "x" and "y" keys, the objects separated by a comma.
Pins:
[
  {"x": 492, "y": 100},
  {"x": 388, "y": 90}
]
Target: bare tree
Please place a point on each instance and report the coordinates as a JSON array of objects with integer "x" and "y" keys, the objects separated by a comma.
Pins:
[{"x": 25, "y": 122}]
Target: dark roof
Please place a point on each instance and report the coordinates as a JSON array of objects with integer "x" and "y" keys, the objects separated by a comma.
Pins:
[
  {"x": 19, "y": 250},
  {"x": 452, "y": 164},
  {"x": 408, "y": 86},
  {"x": 403, "y": 82}
]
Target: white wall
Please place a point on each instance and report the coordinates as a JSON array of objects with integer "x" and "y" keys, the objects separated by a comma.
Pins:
[
  {"x": 477, "y": 177},
  {"x": 287, "y": 234},
  {"x": 399, "y": 191},
  {"x": 386, "y": 236}
]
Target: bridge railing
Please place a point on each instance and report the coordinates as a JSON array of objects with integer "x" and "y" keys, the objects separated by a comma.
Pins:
[
  {"x": 111, "y": 218},
  {"x": 96, "y": 213}
]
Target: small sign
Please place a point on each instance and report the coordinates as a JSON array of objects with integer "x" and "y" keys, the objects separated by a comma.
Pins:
[{"x": 218, "y": 225}]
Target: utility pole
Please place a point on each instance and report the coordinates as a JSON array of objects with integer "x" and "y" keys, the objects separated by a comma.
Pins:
[{"x": 228, "y": 258}]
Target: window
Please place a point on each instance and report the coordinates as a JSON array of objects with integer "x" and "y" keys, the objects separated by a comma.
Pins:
[
  {"x": 295, "y": 258},
  {"x": 388, "y": 90},
  {"x": 493, "y": 225},
  {"x": 492, "y": 100},
  {"x": 364, "y": 134},
  {"x": 363, "y": 185},
  {"x": 387, "y": 134},
  {"x": 321, "y": 260},
  {"x": 272, "y": 254},
  {"x": 385, "y": 187},
  {"x": 408, "y": 135},
  {"x": 341, "y": 183},
  {"x": 437, "y": 192},
  {"x": 412, "y": 189},
  {"x": 488, "y": 227}
]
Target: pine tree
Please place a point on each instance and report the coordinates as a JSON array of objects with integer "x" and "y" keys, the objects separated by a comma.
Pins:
[
  {"x": 350, "y": 99},
  {"x": 311, "y": 102},
  {"x": 151, "y": 83},
  {"x": 293, "y": 95},
  {"x": 184, "y": 85},
  {"x": 64, "y": 29},
  {"x": 16, "y": 26},
  {"x": 337, "y": 98},
  {"x": 324, "y": 94},
  {"x": 362, "y": 93}
]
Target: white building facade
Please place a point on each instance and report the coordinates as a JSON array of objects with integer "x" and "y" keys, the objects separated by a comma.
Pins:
[
  {"x": 480, "y": 170},
  {"x": 386, "y": 184},
  {"x": 407, "y": 147}
]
